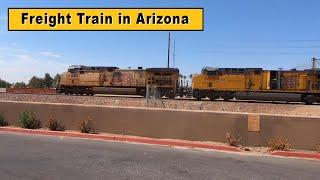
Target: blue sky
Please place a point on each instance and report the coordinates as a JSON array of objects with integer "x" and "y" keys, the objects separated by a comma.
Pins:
[{"x": 247, "y": 33}]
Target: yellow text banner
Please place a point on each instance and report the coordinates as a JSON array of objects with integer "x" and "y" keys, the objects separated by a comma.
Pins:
[{"x": 108, "y": 19}]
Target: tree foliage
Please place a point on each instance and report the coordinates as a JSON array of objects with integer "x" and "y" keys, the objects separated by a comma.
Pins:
[
  {"x": 46, "y": 82},
  {"x": 56, "y": 81},
  {"x": 19, "y": 85},
  {"x": 4, "y": 84},
  {"x": 36, "y": 82}
]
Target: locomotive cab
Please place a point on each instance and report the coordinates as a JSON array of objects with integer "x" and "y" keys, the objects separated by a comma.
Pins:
[{"x": 165, "y": 79}]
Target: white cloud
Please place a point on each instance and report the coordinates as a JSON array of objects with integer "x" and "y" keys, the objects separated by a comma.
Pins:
[
  {"x": 17, "y": 64},
  {"x": 50, "y": 54}
]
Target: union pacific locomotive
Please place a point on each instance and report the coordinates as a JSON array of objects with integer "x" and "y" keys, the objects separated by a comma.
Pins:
[
  {"x": 212, "y": 83},
  {"x": 225, "y": 83},
  {"x": 82, "y": 80}
]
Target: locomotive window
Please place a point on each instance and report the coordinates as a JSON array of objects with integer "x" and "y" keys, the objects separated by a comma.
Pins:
[
  {"x": 157, "y": 74},
  {"x": 166, "y": 74},
  {"x": 210, "y": 84},
  {"x": 211, "y": 73},
  {"x": 257, "y": 72}
]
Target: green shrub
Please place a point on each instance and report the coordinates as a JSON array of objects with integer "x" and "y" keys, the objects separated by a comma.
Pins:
[
  {"x": 29, "y": 120},
  {"x": 86, "y": 126},
  {"x": 3, "y": 122},
  {"x": 54, "y": 125},
  {"x": 279, "y": 143}
]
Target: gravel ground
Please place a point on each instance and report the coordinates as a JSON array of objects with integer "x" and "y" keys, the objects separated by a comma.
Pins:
[{"x": 235, "y": 106}]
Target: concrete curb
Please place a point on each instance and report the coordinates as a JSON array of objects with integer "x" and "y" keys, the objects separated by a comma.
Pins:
[
  {"x": 151, "y": 141},
  {"x": 123, "y": 138},
  {"x": 296, "y": 154}
]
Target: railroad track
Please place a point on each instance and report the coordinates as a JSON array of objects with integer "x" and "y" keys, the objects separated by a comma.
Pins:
[
  {"x": 177, "y": 99},
  {"x": 247, "y": 106}
]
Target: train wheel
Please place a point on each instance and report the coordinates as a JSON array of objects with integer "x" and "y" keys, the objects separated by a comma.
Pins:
[
  {"x": 197, "y": 95},
  {"x": 170, "y": 96},
  {"x": 141, "y": 92},
  {"x": 213, "y": 96},
  {"x": 227, "y": 96},
  {"x": 309, "y": 99}
]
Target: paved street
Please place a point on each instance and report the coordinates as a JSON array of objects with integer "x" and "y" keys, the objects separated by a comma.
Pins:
[{"x": 46, "y": 157}]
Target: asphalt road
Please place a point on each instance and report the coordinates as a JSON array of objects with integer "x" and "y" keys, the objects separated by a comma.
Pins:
[{"x": 46, "y": 157}]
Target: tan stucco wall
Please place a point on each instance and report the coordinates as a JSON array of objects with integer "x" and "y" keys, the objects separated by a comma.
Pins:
[{"x": 303, "y": 132}]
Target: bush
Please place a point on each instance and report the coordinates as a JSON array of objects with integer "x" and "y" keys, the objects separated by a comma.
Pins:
[
  {"x": 279, "y": 143},
  {"x": 54, "y": 125},
  {"x": 318, "y": 149},
  {"x": 3, "y": 122},
  {"x": 29, "y": 120},
  {"x": 233, "y": 140},
  {"x": 86, "y": 126}
]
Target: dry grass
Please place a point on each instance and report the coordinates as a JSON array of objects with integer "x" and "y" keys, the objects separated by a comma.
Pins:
[
  {"x": 53, "y": 124},
  {"x": 86, "y": 126},
  {"x": 233, "y": 140},
  {"x": 279, "y": 143}
]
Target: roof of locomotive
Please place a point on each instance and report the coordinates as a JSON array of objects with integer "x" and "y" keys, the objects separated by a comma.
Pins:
[
  {"x": 91, "y": 68},
  {"x": 229, "y": 70},
  {"x": 175, "y": 70}
]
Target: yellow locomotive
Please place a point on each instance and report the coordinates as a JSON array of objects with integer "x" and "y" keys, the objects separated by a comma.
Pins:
[
  {"x": 82, "y": 80},
  {"x": 224, "y": 83}
]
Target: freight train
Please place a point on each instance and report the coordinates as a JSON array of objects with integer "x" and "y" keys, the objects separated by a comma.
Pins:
[
  {"x": 82, "y": 80},
  {"x": 212, "y": 83},
  {"x": 225, "y": 83}
]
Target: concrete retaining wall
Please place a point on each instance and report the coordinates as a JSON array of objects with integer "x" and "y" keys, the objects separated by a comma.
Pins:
[
  {"x": 303, "y": 132},
  {"x": 31, "y": 90},
  {"x": 3, "y": 90}
]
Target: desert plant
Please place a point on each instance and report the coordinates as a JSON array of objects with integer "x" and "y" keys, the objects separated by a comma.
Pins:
[
  {"x": 279, "y": 143},
  {"x": 233, "y": 140},
  {"x": 86, "y": 126},
  {"x": 28, "y": 119},
  {"x": 54, "y": 125},
  {"x": 318, "y": 149},
  {"x": 3, "y": 122}
]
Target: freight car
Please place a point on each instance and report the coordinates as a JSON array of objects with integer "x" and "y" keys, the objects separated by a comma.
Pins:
[
  {"x": 82, "y": 80},
  {"x": 224, "y": 83}
]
